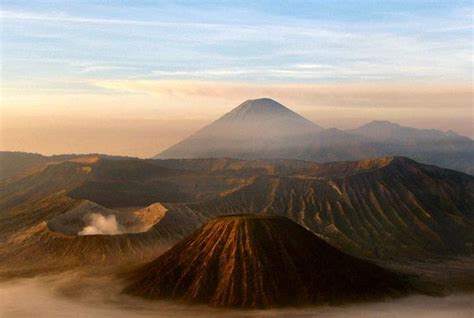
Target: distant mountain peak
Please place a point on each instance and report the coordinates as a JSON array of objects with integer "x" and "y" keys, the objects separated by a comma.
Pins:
[
  {"x": 263, "y": 114},
  {"x": 263, "y": 101},
  {"x": 383, "y": 131},
  {"x": 381, "y": 123},
  {"x": 261, "y": 108},
  {"x": 263, "y": 128},
  {"x": 249, "y": 128},
  {"x": 260, "y": 104}
]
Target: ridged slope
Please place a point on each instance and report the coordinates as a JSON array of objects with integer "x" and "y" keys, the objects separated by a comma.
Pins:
[
  {"x": 386, "y": 208},
  {"x": 259, "y": 262}
]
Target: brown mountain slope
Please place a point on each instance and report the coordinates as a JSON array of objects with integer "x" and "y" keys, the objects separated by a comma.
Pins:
[
  {"x": 14, "y": 164},
  {"x": 260, "y": 262},
  {"x": 385, "y": 208},
  {"x": 118, "y": 183},
  {"x": 42, "y": 213}
]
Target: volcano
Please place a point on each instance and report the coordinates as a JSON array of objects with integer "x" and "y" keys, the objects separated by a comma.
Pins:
[
  {"x": 252, "y": 129},
  {"x": 252, "y": 261},
  {"x": 265, "y": 129}
]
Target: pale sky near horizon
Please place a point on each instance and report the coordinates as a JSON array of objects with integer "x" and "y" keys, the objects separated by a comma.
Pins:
[{"x": 134, "y": 77}]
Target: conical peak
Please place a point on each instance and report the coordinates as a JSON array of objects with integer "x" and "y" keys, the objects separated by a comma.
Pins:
[
  {"x": 260, "y": 106},
  {"x": 237, "y": 221},
  {"x": 246, "y": 224},
  {"x": 257, "y": 261},
  {"x": 266, "y": 109},
  {"x": 249, "y": 217},
  {"x": 255, "y": 125},
  {"x": 262, "y": 103}
]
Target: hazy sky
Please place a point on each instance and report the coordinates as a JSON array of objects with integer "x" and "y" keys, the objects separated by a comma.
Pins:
[{"x": 133, "y": 77}]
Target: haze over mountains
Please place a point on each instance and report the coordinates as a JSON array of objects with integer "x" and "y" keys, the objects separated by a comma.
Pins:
[
  {"x": 265, "y": 129},
  {"x": 255, "y": 129},
  {"x": 70, "y": 212}
]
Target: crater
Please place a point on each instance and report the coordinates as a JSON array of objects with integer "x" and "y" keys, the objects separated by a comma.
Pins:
[{"x": 90, "y": 218}]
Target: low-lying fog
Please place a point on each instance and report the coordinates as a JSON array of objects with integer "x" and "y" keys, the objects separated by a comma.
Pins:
[{"x": 76, "y": 295}]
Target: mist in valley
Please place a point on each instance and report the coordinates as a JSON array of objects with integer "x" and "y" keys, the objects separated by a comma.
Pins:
[{"x": 76, "y": 294}]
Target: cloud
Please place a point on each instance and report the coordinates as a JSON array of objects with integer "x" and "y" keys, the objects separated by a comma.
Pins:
[
  {"x": 222, "y": 45},
  {"x": 456, "y": 96},
  {"x": 101, "y": 225},
  {"x": 103, "y": 68},
  {"x": 62, "y": 17}
]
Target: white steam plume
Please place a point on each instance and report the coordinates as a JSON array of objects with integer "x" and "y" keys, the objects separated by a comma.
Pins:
[{"x": 101, "y": 225}]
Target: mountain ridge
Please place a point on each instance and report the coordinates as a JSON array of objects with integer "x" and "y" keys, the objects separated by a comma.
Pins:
[
  {"x": 265, "y": 129},
  {"x": 389, "y": 208},
  {"x": 384, "y": 130}
]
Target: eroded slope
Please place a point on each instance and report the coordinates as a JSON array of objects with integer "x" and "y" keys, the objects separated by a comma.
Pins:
[{"x": 260, "y": 262}]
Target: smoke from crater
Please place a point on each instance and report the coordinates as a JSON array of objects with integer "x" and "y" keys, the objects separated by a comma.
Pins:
[{"x": 101, "y": 225}]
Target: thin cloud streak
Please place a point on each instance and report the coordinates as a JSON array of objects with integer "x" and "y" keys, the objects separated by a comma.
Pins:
[
  {"x": 458, "y": 96},
  {"x": 310, "y": 30},
  {"x": 267, "y": 48},
  {"x": 31, "y": 16}
]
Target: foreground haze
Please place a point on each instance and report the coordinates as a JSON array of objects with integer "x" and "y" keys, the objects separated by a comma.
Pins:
[{"x": 51, "y": 298}]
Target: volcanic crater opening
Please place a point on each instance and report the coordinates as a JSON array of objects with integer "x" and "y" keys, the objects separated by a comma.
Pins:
[{"x": 90, "y": 218}]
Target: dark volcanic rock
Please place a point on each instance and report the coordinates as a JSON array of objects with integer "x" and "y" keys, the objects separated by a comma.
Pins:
[{"x": 259, "y": 262}]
